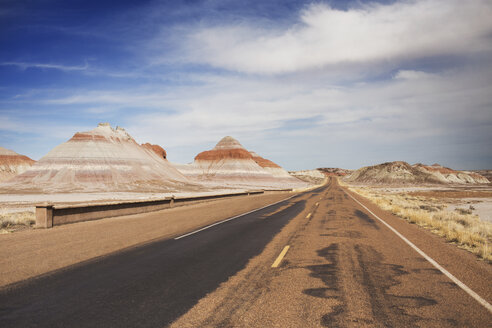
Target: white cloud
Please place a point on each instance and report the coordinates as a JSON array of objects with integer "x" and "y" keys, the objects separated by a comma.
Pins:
[
  {"x": 24, "y": 65},
  {"x": 391, "y": 112},
  {"x": 412, "y": 75},
  {"x": 325, "y": 36}
]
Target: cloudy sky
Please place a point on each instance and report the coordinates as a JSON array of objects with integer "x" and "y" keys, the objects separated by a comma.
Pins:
[{"x": 306, "y": 84}]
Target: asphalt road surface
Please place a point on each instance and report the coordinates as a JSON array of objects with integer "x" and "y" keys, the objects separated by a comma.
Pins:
[{"x": 343, "y": 268}]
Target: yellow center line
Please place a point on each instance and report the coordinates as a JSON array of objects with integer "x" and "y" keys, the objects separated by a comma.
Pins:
[
  {"x": 308, "y": 216},
  {"x": 317, "y": 204},
  {"x": 280, "y": 257}
]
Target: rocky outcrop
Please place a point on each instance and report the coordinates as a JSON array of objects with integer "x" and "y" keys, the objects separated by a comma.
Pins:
[
  {"x": 447, "y": 175},
  {"x": 12, "y": 164},
  {"x": 103, "y": 159},
  {"x": 263, "y": 162},
  {"x": 402, "y": 173},
  {"x": 485, "y": 173},
  {"x": 271, "y": 167},
  {"x": 156, "y": 149}
]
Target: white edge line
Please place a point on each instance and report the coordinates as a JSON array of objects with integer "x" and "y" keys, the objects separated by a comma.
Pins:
[
  {"x": 434, "y": 263},
  {"x": 229, "y": 219}
]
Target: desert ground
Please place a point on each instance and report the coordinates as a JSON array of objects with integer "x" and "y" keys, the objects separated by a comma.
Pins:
[{"x": 461, "y": 214}]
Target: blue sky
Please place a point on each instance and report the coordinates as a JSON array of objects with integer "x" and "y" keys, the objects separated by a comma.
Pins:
[{"x": 306, "y": 84}]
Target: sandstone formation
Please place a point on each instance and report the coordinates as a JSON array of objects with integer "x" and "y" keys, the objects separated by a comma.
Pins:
[
  {"x": 402, "y": 173},
  {"x": 230, "y": 164},
  {"x": 485, "y": 173},
  {"x": 156, "y": 149},
  {"x": 12, "y": 164},
  {"x": 447, "y": 175},
  {"x": 269, "y": 166},
  {"x": 103, "y": 159}
]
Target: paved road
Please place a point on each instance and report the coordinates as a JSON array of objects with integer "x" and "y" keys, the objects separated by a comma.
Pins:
[
  {"x": 148, "y": 286},
  {"x": 344, "y": 268}
]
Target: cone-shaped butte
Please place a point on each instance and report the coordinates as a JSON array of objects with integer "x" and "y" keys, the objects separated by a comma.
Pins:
[
  {"x": 12, "y": 164},
  {"x": 230, "y": 164},
  {"x": 103, "y": 159}
]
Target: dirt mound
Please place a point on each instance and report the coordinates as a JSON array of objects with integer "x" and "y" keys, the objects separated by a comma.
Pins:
[
  {"x": 103, "y": 159},
  {"x": 12, "y": 164},
  {"x": 402, "y": 173}
]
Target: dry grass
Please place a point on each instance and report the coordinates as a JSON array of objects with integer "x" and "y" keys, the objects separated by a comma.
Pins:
[
  {"x": 460, "y": 226},
  {"x": 15, "y": 220}
]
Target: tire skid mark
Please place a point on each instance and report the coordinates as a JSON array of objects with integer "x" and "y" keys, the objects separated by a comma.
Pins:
[
  {"x": 377, "y": 278},
  {"x": 366, "y": 219},
  {"x": 327, "y": 273}
]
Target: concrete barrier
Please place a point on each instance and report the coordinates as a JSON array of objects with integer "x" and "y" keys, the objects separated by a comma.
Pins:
[{"x": 49, "y": 215}]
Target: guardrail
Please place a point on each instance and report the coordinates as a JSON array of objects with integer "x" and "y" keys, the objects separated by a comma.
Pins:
[{"x": 49, "y": 215}]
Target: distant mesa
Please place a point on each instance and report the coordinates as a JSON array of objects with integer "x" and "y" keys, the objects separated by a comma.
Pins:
[
  {"x": 103, "y": 159},
  {"x": 402, "y": 173},
  {"x": 12, "y": 164},
  {"x": 334, "y": 171},
  {"x": 311, "y": 176},
  {"x": 230, "y": 164}
]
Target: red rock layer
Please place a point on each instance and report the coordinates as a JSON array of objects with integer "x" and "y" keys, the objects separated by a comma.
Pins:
[
  {"x": 16, "y": 160},
  {"x": 218, "y": 154},
  {"x": 156, "y": 149},
  {"x": 263, "y": 162},
  {"x": 12, "y": 164},
  {"x": 80, "y": 136},
  {"x": 437, "y": 168}
]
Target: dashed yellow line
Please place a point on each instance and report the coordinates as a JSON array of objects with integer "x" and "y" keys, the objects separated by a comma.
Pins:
[
  {"x": 317, "y": 204},
  {"x": 308, "y": 216},
  {"x": 280, "y": 257}
]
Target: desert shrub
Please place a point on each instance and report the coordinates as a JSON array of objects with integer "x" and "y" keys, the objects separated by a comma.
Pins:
[
  {"x": 463, "y": 211},
  {"x": 459, "y": 226},
  {"x": 17, "y": 218}
]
